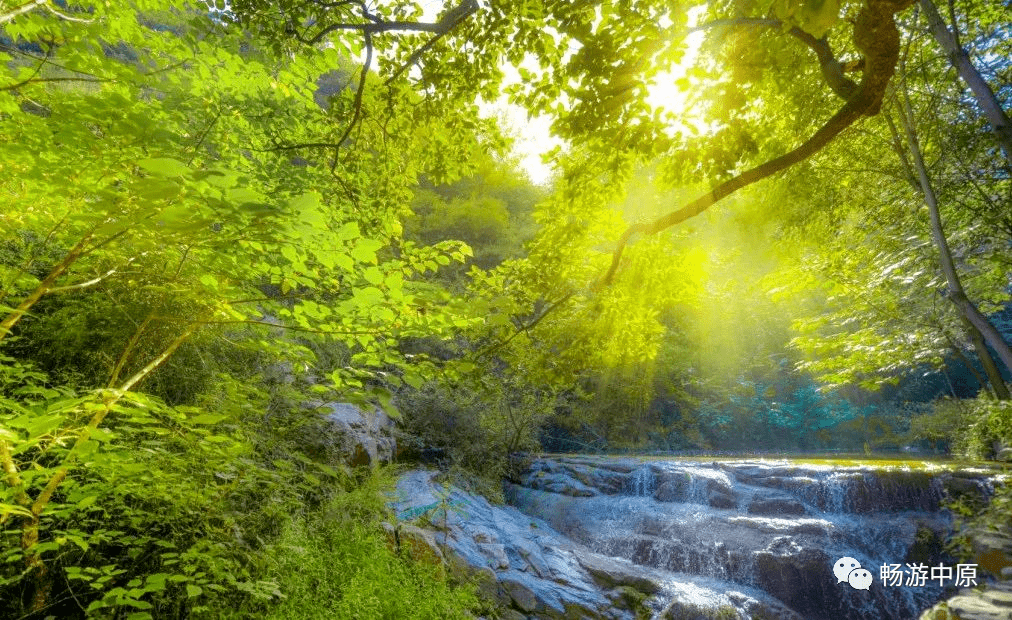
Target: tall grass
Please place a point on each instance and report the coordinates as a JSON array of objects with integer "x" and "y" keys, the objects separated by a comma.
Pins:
[{"x": 338, "y": 563}]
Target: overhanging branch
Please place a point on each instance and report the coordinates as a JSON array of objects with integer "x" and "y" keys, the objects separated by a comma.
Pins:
[
  {"x": 878, "y": 38},
  {"x": 832, "y": 69}
]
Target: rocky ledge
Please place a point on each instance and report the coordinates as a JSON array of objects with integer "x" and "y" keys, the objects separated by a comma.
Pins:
[
  {"x": 991, "y": 601},
  {"x": 535, "y": 572}
]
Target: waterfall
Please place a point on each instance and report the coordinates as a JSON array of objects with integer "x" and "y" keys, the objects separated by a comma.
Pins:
[
  {"x": 775, "y": 527},
  {"x": 644, "y": 481}
]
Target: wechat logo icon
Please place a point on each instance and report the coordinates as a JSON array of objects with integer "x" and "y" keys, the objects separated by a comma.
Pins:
[{"x": 849, "y": 570}]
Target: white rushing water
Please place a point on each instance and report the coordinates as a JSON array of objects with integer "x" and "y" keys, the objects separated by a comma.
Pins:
[{"x": 755, "y": 528}]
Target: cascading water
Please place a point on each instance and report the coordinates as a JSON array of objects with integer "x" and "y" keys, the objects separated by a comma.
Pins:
[{"x": 775, "y": 528}]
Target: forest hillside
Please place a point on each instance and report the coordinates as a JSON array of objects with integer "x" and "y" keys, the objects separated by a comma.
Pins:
[{"x": 770, "y": 227}]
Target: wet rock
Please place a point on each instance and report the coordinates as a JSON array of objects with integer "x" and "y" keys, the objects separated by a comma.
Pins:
[
  {"x": 672, "y": 490},
  {"x": 420, "y": 545},
  {"x": 536, "y": 570},
  {"x": 696, "y": 485},
  {"x": 521, "y": 595},
  {"x": 777, "y": 507},
  {"x": 676, "y": 610},
  {"x": 803, "y": 581},
  {"x": 603, "y": 480},
  {"x": 620, "y": 466},
  {"x": 615, "y": 572},
  {"x": 892, "y": 490},
  {"x": 992, "y": 550},
  {"x": 776, "y": 528},
  {"x": 860, "y": 492},
  {"x": 991, "y": 603},
  {"x": 563, "y": 485},
  {"x": 719, "y": 499},
  {"x": 999, "y": 595},
  {"x": 652, "y": 526},
  {"x": 352, "y": 435},
  {"x": 532, "y": 558},
  {"x": 553, "y": 478},
  {"x": 484, "y": 536},
  {"x": 496, "y": 555},
  {"x": 967, "y": 489},
  {"x": 485, "y": 582}
]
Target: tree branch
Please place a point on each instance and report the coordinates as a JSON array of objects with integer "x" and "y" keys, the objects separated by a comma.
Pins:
[
  {"x": 24, "y": 8},
  {"x": 525, "y": 328},
  {"x": 1001, "y": 125},
  {"x": 357, "y": 113},
  {"x": 451, "y": 19},
  {"x": 877, "y": 37},
  {"x": 269, "y": 324},
  {"x": 86, "y": 284},
  {"x": 44, "y": 287},
  {"x": 375, "y": 25},
  {"x": 79, "y": 20},
  {"x": 832, "y": 70}
]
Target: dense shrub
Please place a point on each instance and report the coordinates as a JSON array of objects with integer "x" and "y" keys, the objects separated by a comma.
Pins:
[
  {"x": 976, "y": 428},
  {"x": 338, "y": 563},
  {"x": 475, "y": 427}
]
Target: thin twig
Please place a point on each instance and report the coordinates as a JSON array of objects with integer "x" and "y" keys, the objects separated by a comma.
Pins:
[
  {"x": 449, "y": 21},
  {"x": 24, "y": 8},
  {"x": 86, "y": 284},
  {"x": 357, "y": 113},
  {"x": 68, "y": 17},
  {"x": 35, "y": 80},
  {"x": 269, "y": 324},
  {"x": 525, "y": 328}
]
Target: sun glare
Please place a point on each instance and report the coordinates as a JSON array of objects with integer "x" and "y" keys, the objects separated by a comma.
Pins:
[{"x": 669, "y": 91}]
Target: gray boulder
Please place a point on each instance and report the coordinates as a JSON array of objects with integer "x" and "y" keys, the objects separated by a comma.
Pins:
[{"x": 352, "y": 435}]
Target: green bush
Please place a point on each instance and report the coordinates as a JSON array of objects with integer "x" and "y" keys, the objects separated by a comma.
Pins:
[
  {"x": 943, "y": 421},
  {"x": 976, "y": 427},
  {"x": 990, "y": 428},
  {"x": 339, "y": 563},
  {"x": 477, "y": 427}
]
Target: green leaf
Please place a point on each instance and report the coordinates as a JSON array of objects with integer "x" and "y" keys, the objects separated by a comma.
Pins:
[
  {"x": 164, "y": 167},
  {"x": 37, "y": 424},
  {"x": 348, "y": 232},
  {"x": 11, "y": 509},
  {"x": 365, "y": 250},
  {"x": 87, "y": 501},
  {"x": 206, "y": 418}
]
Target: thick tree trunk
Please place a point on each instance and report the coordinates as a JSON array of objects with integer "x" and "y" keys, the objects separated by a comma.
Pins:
[
  {"x": 996, "y": 116},
  {"x": 990, "y": 368},
  {"x": 44, "y": 287},
  {"x": 958, "y": 352},
  {"x": 956, "y": 292}
]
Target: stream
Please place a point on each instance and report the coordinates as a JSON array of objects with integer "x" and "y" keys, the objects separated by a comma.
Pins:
[
  {"x": 775, "y": 526},
  {"x": 766, "y": 539}
]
